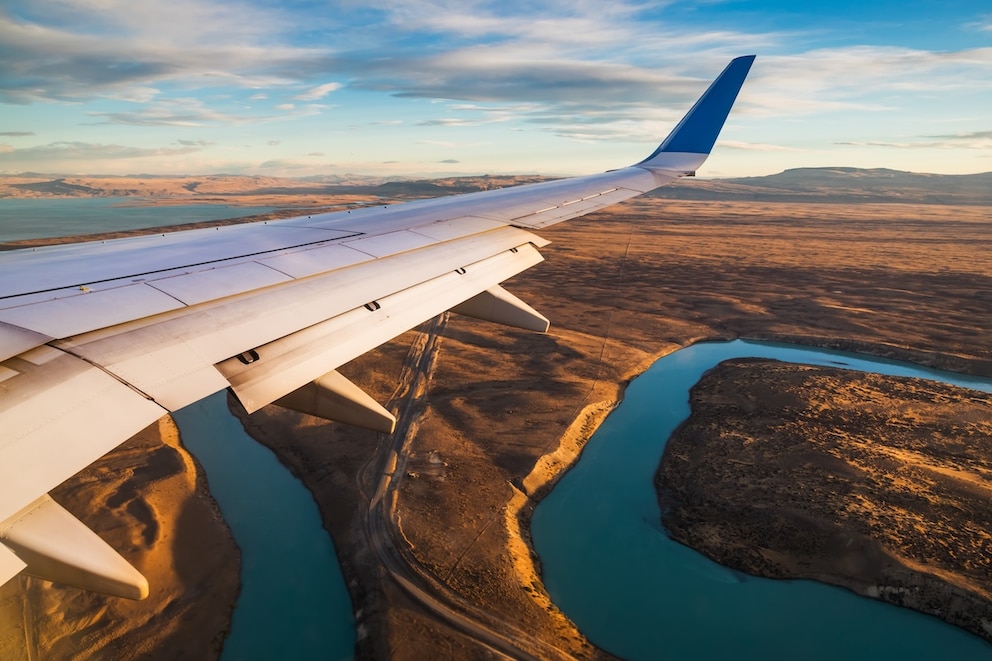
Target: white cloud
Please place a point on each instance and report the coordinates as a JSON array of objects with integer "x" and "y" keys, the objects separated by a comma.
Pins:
[
  {"x": 288, "y": 166},
  {"x": 984, "y": 23},
  {"x": 975, "y": 140},
  {"x": 578, "y": 69},
  {"x": 862, "y": 78},
  {"x": 756, "y": 146},
  {"x": 182, "y": 112},
  {"x": 73, "y": 50},
  {"x": 318, "y": 92}
]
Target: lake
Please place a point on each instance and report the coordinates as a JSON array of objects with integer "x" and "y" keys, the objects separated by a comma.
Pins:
[{"x": 46, "y": 217}]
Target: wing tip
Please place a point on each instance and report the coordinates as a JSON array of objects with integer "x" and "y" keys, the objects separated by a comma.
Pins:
[{"x": 697, "y": 132}]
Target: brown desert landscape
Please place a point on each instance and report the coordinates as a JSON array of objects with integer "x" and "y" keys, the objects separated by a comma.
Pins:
[{"x": 431, "y": 523}]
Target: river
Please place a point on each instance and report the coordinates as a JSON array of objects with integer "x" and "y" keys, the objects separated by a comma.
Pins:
[
  {"x": 293, "y": 602},
  {"x": 609, "y": 566}
]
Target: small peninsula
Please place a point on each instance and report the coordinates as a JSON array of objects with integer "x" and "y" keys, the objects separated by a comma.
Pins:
[{"x": 876, "y": 484}]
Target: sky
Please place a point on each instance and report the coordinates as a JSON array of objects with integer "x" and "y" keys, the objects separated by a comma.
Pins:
[{"x": 412, "y": 88}]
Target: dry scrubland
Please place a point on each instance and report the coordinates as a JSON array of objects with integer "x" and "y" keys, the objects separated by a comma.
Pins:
[
  {"x": 877, "y": 484},
  {"x": 507, "y": 410}
]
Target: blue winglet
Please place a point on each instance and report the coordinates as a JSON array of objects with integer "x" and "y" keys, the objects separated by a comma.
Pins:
[{"x": 698, "y": 130}]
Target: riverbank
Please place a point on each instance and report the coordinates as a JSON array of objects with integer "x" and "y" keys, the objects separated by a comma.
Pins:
[{"x": 877, "y": 484}]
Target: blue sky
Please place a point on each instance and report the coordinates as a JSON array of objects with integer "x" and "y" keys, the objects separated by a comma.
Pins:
[{"x": 437, "y": 87}]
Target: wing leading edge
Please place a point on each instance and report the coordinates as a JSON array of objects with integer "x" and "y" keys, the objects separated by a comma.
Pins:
[{"x": 98, "y": 340}]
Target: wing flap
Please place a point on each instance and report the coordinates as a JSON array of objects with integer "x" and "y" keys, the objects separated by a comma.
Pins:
[
  {"x": 282, "y": 366},
  {"x": 59, "y": 413},
  {"x": 171, "y": 358},
  {"x": 15, "y": 340}
]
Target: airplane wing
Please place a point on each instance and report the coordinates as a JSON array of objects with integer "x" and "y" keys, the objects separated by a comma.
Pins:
[{"x": 100, "y": 339}]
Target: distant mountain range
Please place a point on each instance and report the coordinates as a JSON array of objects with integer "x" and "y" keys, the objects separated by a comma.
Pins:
[
  {"x": 839, "y": 185},
  {"x": 850, "y": 185}
]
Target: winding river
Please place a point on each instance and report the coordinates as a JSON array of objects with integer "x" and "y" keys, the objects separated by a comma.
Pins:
[{"x": 609, "y": 566}]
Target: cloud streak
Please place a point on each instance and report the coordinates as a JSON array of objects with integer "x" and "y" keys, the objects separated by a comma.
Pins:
[
  {"x": 84, "y": 152},
  {"x": 318, "y": 92},
  {"x": 975, "y": 140}
]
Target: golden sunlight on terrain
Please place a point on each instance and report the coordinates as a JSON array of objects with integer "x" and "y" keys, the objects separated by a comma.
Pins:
[
  {"x": 503, "y": 412},
  {"x": 878, "y": 484},
  {"x": 507, "y": 411},
  {"x": 148, "y": 499}
]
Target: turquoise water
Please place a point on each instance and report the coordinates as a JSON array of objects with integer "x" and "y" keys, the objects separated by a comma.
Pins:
[
  {"x": 609, "y": 566},
  {"x": 293, "y": 602},
  {"x": 45, "y": 218}
]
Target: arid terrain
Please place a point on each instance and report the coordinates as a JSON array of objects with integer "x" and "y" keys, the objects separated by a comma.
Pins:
[
  {"x": 148, "y": 500},
  {"x": 877, "y": 484},
  {"x": 504, "y": 412}
]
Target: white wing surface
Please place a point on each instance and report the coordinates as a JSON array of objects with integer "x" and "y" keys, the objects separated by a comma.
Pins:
[{"x": 100, "y": 339}]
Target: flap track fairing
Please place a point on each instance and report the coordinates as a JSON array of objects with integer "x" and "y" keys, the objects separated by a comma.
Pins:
[
  {"x": 333, "y": 397},
  {"x": 500, "y": 306},
  {"x": 56, "y": 546}
]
